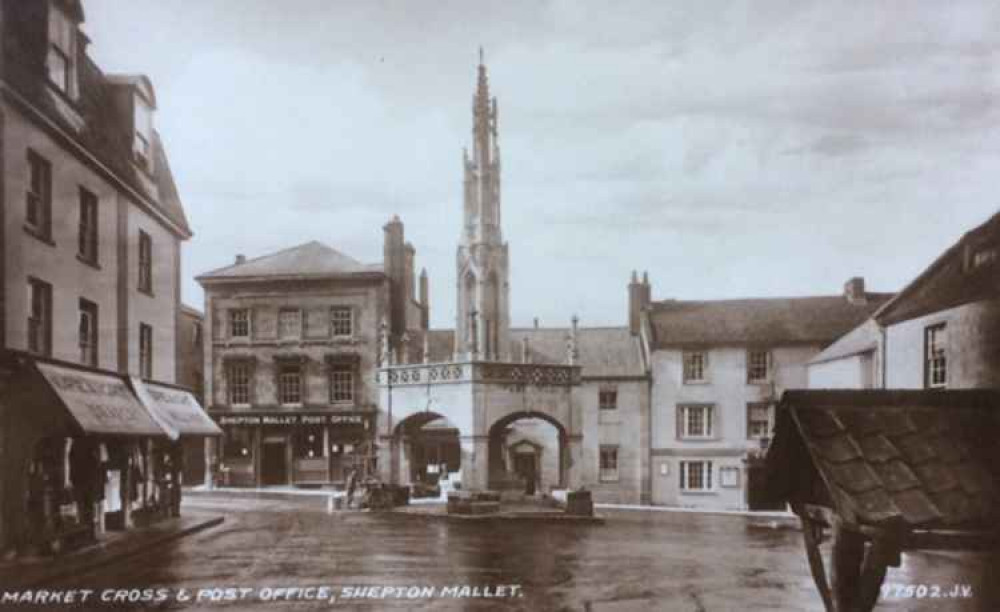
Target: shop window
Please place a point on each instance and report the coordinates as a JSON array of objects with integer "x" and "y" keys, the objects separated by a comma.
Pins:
[
  {"x": 38, "y": 203},
  {"x": 145, "y": 262},
  {"x": 695, "y": 422},
  {"x": 696, "y": 476},
  {"x": 309, "y": 442},
  {"x": 759, "y": 420},
  {"x": 145, "y": 350},
  {"x": 341, "y": 321},
  {"x": 238, "y": 443},
  {"x": 341, "y": 383},
  {"x": 936, "y": 356},
  {"x": 88, "y": 333},
  {"x": 289, "y": 323},
  {"x": 609, "y": 464},
  {"x": 239, "y": 323},
  {"x": 40, "y": 317},
  {"x": 695, "y": 366},
  {"x": 87, "y": 239},
  {"x": 239, "y": 383},
  {"x": 290, "y": 385}
]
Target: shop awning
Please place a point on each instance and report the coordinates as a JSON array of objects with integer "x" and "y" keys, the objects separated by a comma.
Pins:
[
  {"x": 100, "y": 403},
  {"x": 176, "y": 410}
]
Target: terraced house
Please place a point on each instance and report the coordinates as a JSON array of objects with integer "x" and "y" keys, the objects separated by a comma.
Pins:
[
  {"x": 718, "y": 368},
  {"x": 91, "y": 225}
]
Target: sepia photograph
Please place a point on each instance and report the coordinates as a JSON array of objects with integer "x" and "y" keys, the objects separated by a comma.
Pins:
[{"x": 555, "y": 305}]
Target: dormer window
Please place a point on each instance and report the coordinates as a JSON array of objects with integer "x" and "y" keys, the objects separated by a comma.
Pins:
[
  {"x": 60, "y": 61},
  {"x": 142, "y": 145}
]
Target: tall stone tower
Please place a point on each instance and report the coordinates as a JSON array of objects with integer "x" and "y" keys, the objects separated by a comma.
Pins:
[{"x": 483, "y": 313}]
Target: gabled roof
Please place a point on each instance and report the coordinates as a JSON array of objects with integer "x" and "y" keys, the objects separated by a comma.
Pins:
[
  {"x": 948, "y": 282},
  {"x": 601, "y": 351},
  {"x": 861, "y": 339},
  {"x": 310, "y": 260},
  {"x": 926, "y": 459},
  {"x": 767, "y": 321}
]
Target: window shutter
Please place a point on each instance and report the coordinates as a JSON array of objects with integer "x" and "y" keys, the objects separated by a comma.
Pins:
[
  {"x": 682, "y": 468},
  {"x": 679, "y": 431}
]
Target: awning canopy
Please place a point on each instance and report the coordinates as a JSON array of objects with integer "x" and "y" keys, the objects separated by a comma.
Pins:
[
  {"x": 176, "y": 410},
  {"x": 100, "y": 403}
]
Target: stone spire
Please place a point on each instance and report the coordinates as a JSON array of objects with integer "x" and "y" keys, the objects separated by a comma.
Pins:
[{"x": 482, "y": 317}]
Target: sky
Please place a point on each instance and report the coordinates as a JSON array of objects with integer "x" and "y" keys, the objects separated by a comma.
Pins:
[{"x": 732, "y": 149}]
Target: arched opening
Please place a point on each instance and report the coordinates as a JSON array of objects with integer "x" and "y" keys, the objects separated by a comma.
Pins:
[
  {"x": 431, "y": 457},
  {"x": 527, "y": 454}
]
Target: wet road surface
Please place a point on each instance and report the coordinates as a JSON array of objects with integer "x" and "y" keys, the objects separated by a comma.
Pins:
[{"x": 637, "y": 561}]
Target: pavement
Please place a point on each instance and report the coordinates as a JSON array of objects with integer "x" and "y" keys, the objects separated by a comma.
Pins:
[{"x": 114, "y": 547}]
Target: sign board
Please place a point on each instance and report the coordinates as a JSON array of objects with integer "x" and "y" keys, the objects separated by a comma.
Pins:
[
  {"x": 176, "y": 410},
  {"x": 100, "y": 403},
  {"x": 293, "y": 420}
]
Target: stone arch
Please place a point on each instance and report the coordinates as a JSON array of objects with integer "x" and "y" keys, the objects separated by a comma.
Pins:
[
  {"x": 500, "y": 474},
  {"x": 425, "y": 455}
]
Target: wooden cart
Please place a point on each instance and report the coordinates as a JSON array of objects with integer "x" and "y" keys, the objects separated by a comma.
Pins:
[{"x": 885, "y": 472}]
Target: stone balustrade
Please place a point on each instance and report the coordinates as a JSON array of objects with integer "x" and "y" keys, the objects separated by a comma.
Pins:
[{"x": 521, "y": 374}]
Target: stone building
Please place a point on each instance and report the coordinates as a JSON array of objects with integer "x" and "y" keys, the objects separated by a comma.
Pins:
[
  {"x": 291, "y": 346},
  {"x": 717, "y": 368},
  {"x": 527, "y": 410},
  {"x": 941, "y": 331},
  {"x": 92, "y": 227}
]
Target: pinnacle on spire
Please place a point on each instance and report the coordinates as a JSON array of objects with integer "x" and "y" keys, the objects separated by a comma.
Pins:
[{"x": 482, "y": 60}]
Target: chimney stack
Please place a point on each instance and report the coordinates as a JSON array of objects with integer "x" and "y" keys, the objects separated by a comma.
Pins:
[
  {"x": 394, "y": 264},
  {"x": 536, "y": 322},
  {"x": 409, "y": 254},
  {"x": 241, "y": 258},
  {"x": 854, "y": 291},
  {"x": 634, "y": 303}
]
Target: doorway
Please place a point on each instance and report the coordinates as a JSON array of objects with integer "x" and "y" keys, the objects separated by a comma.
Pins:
[
  {"x": 526, "y": 467},
  {"x": 274, "y": 463}
]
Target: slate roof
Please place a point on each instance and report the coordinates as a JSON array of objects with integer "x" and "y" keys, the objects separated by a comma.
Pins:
[
  {"x": 106, "y": 133},
  {"x": 861, "y": 339},
  {"x": 312, "y": 259},
  {"x": 601, "y": 351},
  {"x": 927, "y": 459},
  {"x": 813, "y": 320},
  {"x": 948, "y": 282}
]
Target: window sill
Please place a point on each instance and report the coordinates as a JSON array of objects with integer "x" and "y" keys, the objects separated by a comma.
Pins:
[
  {"x": 609, "y": 480},
  {"x": 90, "y": 262},
  {"x": 38, "y": 235},
  {"x": 698, "y": 439},
  {"x": 293, "y": 406},
  {"x": 759, "y": 383},
  {"x": 699, "y": 493},
  {"x": 695, "y": 383}
]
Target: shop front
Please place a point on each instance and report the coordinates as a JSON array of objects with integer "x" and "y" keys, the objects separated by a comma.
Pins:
[
  {"x": 182, "y": 418},
  {"x": 78, "y": 455},
  {"x": 301, "y": 449}
]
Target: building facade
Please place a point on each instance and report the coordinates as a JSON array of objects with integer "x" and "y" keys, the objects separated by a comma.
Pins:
[
  {"x": 291, "y": 347},
  {"x": 942, "y": 331},
  {"x": 718, "y": 368},
  {"x": 91, "y": 227},
  {"x": 191, "y": 375}
]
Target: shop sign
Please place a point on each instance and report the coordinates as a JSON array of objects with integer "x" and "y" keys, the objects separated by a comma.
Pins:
[
  {"x": 293, "y": 420},
  {"x": 100, "y": 403},
  {"x": 177, "y": 410}
]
